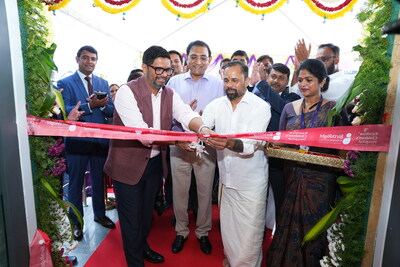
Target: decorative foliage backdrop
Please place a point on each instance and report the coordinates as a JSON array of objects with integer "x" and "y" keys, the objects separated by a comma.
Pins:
[
  {"x": 369, "y": 90},
  {"x": 47, "y": 163}
]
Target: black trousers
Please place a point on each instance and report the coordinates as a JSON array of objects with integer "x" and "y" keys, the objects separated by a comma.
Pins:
[
  {"x": 277, "y": 181},
  {"x": 135, "y": 210}
]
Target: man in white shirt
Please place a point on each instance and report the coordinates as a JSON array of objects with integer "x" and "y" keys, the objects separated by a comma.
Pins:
[
  {"x": 329, "y": 54},
  {"x": 137, "y": 166},
  {"x": 242, "y": 165}
]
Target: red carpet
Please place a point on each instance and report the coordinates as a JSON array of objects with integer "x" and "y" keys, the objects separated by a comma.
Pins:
[{"x": 110, "y": 251}]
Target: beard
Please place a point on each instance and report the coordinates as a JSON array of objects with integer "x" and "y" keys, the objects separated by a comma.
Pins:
[
  {"x": 330, "y": 69},
  {"x": 159, "y": 82},
  {"x": 232, "y": 96}
]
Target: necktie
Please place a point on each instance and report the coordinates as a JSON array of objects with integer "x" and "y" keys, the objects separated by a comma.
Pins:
[{"x": 89, "y": 85}]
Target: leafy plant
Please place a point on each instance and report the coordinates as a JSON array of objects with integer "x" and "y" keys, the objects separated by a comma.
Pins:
[
  {"x": 40, "y": 97},
  {"x": 370, "y": 86}
]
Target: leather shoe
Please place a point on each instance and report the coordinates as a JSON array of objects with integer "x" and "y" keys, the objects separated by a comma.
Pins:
[
  {"x": 105, "y": 222},
  {"x": 152, "y": 256},
  {"x": 178, "y": 243},
  {"x": 78, "y": 234},
  {"x": 205, "y": 244}
]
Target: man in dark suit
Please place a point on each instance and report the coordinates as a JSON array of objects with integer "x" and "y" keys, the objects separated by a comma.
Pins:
[
  {"x": 94, "y": 94},
  {"x": 276, "y": 92}
]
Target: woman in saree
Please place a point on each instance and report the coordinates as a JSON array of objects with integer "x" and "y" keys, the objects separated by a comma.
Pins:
[{"x": 310, "y": 188}]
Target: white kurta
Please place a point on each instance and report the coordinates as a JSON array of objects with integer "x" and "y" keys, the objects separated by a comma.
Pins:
[{"x": 244, "y": 177}]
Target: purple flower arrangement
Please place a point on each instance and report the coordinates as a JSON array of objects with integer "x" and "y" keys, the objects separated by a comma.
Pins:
[
  {"x": 351, "y": 157},
  {"x": 55, "y": 151}
]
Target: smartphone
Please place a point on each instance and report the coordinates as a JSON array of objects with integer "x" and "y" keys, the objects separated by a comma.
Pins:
[{"x": 101, "y": 95}]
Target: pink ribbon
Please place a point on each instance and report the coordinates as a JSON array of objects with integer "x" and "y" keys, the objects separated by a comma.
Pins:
[{"x": 363, "y": 138}]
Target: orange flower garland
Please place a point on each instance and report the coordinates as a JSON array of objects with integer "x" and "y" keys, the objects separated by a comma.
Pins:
[
  {"x": 255, "y": 7},
  {"x": 171, "y": 4},
  {"x": 127, "y": 5},
  {"x": 59, "y": 4},
  {"x": 260, "y": 8},
  {"x": 330, "y": 12}
]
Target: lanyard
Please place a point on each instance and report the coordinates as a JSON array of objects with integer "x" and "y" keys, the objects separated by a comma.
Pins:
[{"x": 303, "y": 120}]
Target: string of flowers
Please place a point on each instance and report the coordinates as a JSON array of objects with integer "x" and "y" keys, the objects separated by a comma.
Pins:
[
  {"x": 129, "y": 4},
  {"x": 50, "y": 2},
  {"x": 117, "y": 3},
  {"x": 59, "y": 4},
  {"x": 169, "y": 4},
  {"x": 194, "y": 4},
  {"x": 260, "y": 8},
  {"x": 330, "y": 12}
]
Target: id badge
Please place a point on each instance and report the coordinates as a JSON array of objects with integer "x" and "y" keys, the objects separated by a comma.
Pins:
[{"x": 304, "y": 149}]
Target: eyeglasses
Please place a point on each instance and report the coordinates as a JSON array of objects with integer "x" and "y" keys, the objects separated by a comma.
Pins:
[
  {"x": 159, "y": 70},
  {"x": 325, "y": 59}
]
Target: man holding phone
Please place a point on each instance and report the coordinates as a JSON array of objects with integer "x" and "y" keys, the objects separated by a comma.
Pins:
[{"x": 96, "y": 103}]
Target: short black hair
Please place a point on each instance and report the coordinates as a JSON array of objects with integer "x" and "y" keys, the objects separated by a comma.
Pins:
[
  {"x": 154, "y": 52},
  {"x": 261, "y": 58},
  {"x": 113, "y": 84},
  {"x": 244, "y": 68},
  {"x": 223, "y": 61},
  {"x": 335, "y": 49},
  {"x": 316, "y": 68},
  {"x": 135, "y": 74},
  {"x": 240, "y": 53},
  {"x": 282, "y": 68},
  {"x": 198, "y": 43},
  {"x": 176, "y": 53},
  {"x": 87, "y": 48}
]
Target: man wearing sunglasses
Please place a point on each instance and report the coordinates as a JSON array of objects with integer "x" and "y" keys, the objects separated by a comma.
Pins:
[
  {"x": 329, "y": 54},
  {"x": 137, "y": 166}
]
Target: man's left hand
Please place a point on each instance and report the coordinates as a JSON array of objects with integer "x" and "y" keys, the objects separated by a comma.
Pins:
[
  {"x": 94, "y": 102},
  {"x": 217, "y": 142}
]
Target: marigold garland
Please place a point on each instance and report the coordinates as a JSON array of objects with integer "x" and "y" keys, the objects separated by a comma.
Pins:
[
  {"x": 271, "y": 6},
  {"x": 202, "y": 9},
  {"x": 321, "y": 10},
  {"x": 113, "y": 10},
  {"x": 177, "y": 4},
  {"x": 59, "y": 5},
  {"x": 266, "y": 4},
  {"x": 117, "y": 3}
]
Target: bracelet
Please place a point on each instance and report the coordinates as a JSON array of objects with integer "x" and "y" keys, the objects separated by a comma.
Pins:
[{"x": 202, "y": 127}]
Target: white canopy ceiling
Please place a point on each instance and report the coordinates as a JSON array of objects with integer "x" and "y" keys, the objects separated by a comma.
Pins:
[{"x": 225, "y": 28}]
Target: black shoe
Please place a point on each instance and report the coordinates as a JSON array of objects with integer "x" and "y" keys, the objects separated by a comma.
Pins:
[
  {"x": 205, "y": 244},
  {"x": 159, "y": 208},
  {"x": 152, "y": 256},
  {"x": 78, "y": 234},
  {"x": 165, "y": 205},
  {"x": 105, "y": 222},
  {"x": 173, "y": 220},
  {"x": 178, "y": 243}
]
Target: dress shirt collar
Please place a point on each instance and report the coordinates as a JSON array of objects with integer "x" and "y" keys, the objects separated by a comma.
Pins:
[
  {"x": 336, "y": 74},
  {"x": 188, "y": 76},
  {"x": 82, "y": 76},
  {"x": 159, "y": 92},
  {"x": 244, "y": 99}
]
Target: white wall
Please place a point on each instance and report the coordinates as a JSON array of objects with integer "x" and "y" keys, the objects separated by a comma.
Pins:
[
  {"x": 20, "y": 110},
  {"x": 389, "y": 183}
]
